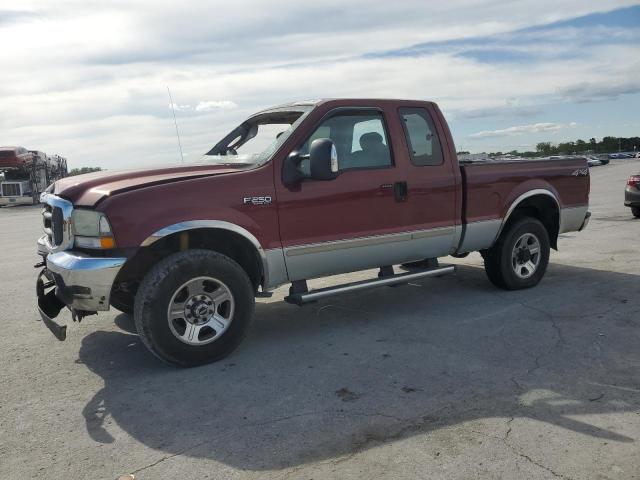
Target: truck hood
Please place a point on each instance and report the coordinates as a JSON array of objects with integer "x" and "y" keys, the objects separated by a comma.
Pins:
[{"x": 88, "y": 189}]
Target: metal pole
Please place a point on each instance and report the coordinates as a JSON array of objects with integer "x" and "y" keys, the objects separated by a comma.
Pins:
[{"x": 176, "y": 124}]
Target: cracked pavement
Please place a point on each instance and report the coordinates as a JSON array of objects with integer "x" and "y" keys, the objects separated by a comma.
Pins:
[{"x": 446, "y": 378}]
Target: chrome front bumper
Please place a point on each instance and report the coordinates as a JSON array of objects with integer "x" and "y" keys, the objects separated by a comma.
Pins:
[{"x": 82, "y": 282}]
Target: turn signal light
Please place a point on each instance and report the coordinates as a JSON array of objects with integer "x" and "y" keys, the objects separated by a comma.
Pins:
[
  {"x": 94, "y": 242},
  {"x": 634, "y": 181},
  {"x": 107, "y": 242}
]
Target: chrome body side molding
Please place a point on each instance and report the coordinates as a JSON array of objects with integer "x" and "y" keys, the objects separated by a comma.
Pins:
[
  {"x": 331, "y": 258},
  {"x": 367, "y": 241}
]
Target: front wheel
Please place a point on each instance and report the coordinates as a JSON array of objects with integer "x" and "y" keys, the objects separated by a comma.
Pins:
[
  {"x": 635, "y": 211},
  {"x": 520, "y": 257},
  {"x": 194, "y": 307}
]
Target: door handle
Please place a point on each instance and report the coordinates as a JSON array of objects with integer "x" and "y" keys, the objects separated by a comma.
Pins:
[{"x": 400, "y": 191}]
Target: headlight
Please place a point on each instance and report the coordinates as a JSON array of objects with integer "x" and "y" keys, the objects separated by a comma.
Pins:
[{"x": 91, "y": 229}]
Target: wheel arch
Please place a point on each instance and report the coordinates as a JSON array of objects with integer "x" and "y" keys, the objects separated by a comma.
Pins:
[
  {"x": 539, "y": 203},
  {"x": 226, "y": 238}
]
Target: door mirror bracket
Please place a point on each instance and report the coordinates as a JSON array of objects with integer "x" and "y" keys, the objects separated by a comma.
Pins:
[{"x": 291, "y": 172}]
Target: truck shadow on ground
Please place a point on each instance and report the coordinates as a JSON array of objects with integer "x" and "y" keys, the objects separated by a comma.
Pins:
[{"x": 330, "y": 379}]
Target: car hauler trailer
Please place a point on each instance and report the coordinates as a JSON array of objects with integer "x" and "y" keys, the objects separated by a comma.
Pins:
[{"x": 27, "y": 173}]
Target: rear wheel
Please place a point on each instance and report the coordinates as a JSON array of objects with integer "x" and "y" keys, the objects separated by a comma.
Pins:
[
  {"x": 194, "y": 307},
  {"x": 635, "y": 211},
  {"x": 520, "y": 257}
]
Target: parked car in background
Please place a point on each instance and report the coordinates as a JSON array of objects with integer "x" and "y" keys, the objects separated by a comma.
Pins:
[
  {"x": 593, "y": 161},
  {"x": 632, "y": 195}
]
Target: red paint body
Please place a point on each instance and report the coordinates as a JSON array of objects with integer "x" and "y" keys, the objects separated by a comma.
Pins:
[{"x": 139, "y": 203}]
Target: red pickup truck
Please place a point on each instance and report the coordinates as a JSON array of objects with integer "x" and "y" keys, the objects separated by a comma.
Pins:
[{"x": 295, "y": 192}]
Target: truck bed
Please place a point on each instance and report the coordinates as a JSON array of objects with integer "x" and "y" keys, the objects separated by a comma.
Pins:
[{"x": 489, "y": 188}]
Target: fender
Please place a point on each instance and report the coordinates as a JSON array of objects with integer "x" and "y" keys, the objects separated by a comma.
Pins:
[
  {"x": 272, "y": 260},
  {"x": 521, "y": 198}
]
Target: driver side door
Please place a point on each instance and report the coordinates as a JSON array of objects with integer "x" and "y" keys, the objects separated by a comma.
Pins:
[{"x": 356, "y": 220}]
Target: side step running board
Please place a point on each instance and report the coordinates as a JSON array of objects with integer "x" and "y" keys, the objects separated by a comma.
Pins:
[{"x": 313, "y": 295}]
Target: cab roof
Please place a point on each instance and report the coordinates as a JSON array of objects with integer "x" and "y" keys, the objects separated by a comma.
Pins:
[{"x": 344, "y": 102}]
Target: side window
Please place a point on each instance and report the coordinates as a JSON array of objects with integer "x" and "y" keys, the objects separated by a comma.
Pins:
[
  {"x": 360, "y": 138},
  {"x": 422, "y": 137},
  {"x": 324, "y": 131}
]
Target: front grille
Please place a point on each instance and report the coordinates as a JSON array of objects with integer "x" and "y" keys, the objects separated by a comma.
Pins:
[
  {"x": 56, "y": 219},
  {"x": 57, "y": 226},
  {"x": 53, "y": 220},
  {"x": 11, "y": 190},
  {"x": 47, "y": 219}
]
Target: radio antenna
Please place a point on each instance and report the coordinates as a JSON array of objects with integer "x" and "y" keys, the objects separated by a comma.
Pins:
[{"x": 175, "y": 123}]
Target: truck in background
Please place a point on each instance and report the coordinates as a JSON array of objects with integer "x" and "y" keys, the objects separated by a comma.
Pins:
[{"x": 27, "y": 173}]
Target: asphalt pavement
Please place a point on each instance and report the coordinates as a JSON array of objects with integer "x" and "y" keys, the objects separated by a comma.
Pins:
[{"x": 444, "y": 378}]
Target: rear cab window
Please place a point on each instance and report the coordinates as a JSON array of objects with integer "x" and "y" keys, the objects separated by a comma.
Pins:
[{"x": 422, "y": 138}]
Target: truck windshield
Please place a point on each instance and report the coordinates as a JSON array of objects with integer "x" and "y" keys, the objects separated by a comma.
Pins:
[{"x": 255, "y": 140}]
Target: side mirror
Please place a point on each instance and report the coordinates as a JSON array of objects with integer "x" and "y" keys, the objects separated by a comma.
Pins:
[{"x": 323, "y": 158}]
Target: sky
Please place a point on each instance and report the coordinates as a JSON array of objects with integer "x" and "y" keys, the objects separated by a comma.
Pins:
[{"x": 88, "y": 79}]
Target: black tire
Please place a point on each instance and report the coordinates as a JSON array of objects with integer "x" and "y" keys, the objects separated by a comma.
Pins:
[
  {"x": 158, "y": 288},
  {"x": 498, "y": 259},
  {"x": 123, "y": 302},
  {"x": 635, "y": 211}
]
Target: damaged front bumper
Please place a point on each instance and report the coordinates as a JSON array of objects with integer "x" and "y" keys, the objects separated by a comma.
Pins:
[{"x": 75, "y": 280}]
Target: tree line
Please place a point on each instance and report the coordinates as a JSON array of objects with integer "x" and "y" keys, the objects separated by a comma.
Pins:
[
  {"x": 579, "y": 147},
  {"x": 81, "y": 170},
  {"x": 606, "y": 145}
]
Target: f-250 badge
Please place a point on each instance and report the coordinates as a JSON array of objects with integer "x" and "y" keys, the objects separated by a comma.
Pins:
[{"x": 266, "y": 200}]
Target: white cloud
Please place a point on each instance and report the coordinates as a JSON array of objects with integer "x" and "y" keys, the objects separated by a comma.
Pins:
[
  {"x": 88, "y": 78},
  {"x": 207, "y": 106},
  {"x": 215, "y": 105},
  {"x": 599, "y": 90},
  {"x": 179, "y": 108},
  {"x": 520, "y": 129}
]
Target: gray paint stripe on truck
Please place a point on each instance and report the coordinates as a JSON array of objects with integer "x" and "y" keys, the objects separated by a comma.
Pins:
[{"x": 367, "y": 241}]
